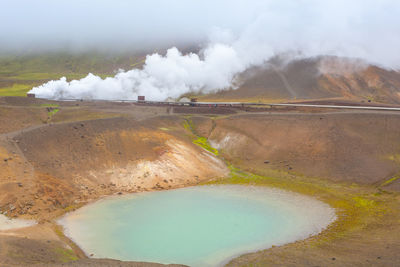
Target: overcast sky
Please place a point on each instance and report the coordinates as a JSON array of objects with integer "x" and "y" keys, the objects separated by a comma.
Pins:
[
  {"x": 343, "y": 27},
  {"x": 77, "y": 23}
]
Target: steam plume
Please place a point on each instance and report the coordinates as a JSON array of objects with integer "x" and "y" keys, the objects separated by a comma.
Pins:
[
  {"x": 161, "y": 77},
  {"x": 304, "y": 28}
]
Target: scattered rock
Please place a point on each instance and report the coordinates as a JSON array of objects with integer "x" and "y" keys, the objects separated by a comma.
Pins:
[
  {"x": 333, "y": 259},
  {"x": 266, "y": 162},
  {"x": 379, "y": 258},
  {"x": 5, "y": 160},
  {"x": 19, "y": 184},
  {"x": 119, "y": 193}
]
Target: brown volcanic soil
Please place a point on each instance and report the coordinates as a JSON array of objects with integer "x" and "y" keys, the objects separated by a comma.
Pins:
[
  {"x": 67, "y": 164},
  {"x": 79, "y": 155},
  {"x": 316, "y": 78},
  {"x": 94, "y": 149},
  {"x": 357, "y": 147},
  {"x": 12, "y": 119},
  {"x": 356, "y": 151}
]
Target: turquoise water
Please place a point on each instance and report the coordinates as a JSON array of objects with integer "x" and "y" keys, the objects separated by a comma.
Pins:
[{"x": 197, "y": 226}]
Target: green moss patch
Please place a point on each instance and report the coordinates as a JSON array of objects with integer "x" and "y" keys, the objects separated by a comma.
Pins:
[
  {"x": 198, "y": 140},
  {"x": 53, "y": 112},
  {"x": 49, "y": 105},
  {"x": 391, "y": 180},
  {"x": 203, "y": 142},
  {"x": 65, "y": 255},
  {"x": 16, "y": 90}
]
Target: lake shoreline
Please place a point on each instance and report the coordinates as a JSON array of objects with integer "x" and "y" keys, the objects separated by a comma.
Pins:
[{"x": 265, "y": 194}]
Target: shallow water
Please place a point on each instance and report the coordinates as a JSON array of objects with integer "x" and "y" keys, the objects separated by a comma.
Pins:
[
  {"x": 197, "y": 226},
  {"x": 8, "y": 224}
]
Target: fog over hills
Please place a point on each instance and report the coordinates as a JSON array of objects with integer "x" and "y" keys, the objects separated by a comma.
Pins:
[
  {"x": 322, "y": 77},
  {"x": 229, "y": 38}
]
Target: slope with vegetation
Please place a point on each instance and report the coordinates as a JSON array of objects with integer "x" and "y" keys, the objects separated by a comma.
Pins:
[
  {"x": 278, "y": 80},
  {"x": 19, "y": 73}
]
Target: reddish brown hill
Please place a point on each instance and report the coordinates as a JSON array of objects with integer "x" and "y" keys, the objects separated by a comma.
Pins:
[{"x": 317, "y": 78}]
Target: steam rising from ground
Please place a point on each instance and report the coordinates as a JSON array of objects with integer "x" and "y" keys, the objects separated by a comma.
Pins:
[
  {"x": 304, "y": 28},
  {"x": 162, "y": 77}
]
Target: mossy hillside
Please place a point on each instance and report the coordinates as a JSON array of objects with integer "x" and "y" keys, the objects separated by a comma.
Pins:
[
  {"x": 19, "y": 73},
  {"x": 41, "y": 65},
  {"x": 16, "y": 89}
]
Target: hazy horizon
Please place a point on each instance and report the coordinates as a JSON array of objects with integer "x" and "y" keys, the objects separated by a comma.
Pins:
[
  {"x": 363, "y": 29},
  {"x": 121, "y": 25},
  {"x": 229, "y": 37}
]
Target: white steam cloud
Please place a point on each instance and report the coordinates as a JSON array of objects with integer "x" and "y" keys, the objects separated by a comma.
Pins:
[
  {"x": 304, "y": 28},
  {"x": 162, "y": 77}
]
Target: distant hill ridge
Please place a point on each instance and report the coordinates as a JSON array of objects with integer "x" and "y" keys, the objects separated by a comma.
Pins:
[
  {"x": 323, "y": 77},
  {"x": 317, "y": 78}
]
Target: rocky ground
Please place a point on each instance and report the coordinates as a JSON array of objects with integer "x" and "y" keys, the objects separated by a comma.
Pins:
[{"x": 54, "y": 162}]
